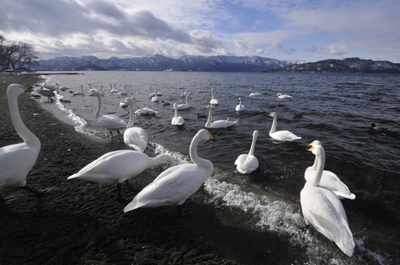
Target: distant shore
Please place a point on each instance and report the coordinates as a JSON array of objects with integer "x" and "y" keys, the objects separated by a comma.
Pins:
[{"x": 82, "y": 223}]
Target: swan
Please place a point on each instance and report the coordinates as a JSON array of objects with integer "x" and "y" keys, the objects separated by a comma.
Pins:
[
  {"x": 51, "y": 88},
  {"x": 329, "y": 179},
  {"x": 183, "y": 106},
  {"x": 143, "y": 111},
  {"x": 254, "y": 94},
  {"x": 155, "y": 98},
  {"x": 177, "y": 120},
  {"x": 154, "y": 93},
  {"x": 218, "y": 123},
  {"x": 176, "y": 184},
  {"x": 91, "y": 90},
  {"x": 281, "y": 135},
  {"x": 16, "y": 160},
  {"x": 240, "y": 106},
  {"x": 79, "y": 93},
  {"x": 123, "y": 93},
  {"x": 113, "y": 90},
  {"x": 323, "y": 209},
  {"x": 110, "y": 122},
  {"x": 184, "y": 94},
  {"x": 281, "y": 96},
  {"x": 118, "y": 167},
  {"x": 247, "y": 163},
  {"x": 46, "y": 93},
  {"x": 213, "y": 100},
  {"x": 135, "y": 137}
]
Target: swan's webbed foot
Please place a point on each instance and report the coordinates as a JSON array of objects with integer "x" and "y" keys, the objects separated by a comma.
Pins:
[{"x": 183, "y": 209}]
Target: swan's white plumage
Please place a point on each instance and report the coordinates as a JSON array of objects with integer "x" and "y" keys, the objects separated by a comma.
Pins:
[
  {"x": 323, "y": 209},
  {"x": 182, "y": 106},
  {"x": 177, "y": 120},
  {"x": 143, "y": 111},
  {"x": 283, "y": 135},
  {"x": 240, "y": 106},
  {"x": 218, "y": 123},
  {"x": 282, "y": 96},
  {"x": 329, "y": 179},
  {"x": 134, "y": 136},
  {"x": 176, "y": 184},
  {"x": 110, "y": 122},
  {"x": 79, "y": 93},
  {"x": 213, "y": 100},
  {"x": 119, "y": 166},
  {"x": 17, "y": 160},
  {"x": 254, "y": 94},
  {"x": 247, "y": 163}
]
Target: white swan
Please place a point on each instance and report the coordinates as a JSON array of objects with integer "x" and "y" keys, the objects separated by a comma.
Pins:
[
  {"x": 119, "y": 166},
  {"x": 154, "y": 93},
  {"x": 113, "y": 90},
  {"x": 143, "y": 111},
  {"x": 155, "y": 98},
  {"x": 281, "y": 96},
  {"x": 254, "y": 94},
  {"x": 283, "y": 135},
  {"x": 79, "y": 93},
  {"x": 122, "y": 93},
  {"x": 218, "y": 123},
  {"x": 323, "y": 209},
  {"x": 91, "y": 90},
  {"x": 177, "y": 120},
  {"x": 52, "y": 88},
  {"x": 135, "y": 137},
  {"x": 213, "y": 100},
  {"x": 183, "y": 106},
  {"x": 247, "y": 163},
  {"x": 329, "y": 179},
  {"x": 240, "y": 106},
  {"x": 176, "y": 184},
  {"x": 184, "y": 94},
  {"x": 110, "y": 122},
  {"x": 16, "y": 160}
]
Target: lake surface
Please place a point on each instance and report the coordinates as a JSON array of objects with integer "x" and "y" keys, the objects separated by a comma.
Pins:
[{"x": 336, "y": 109}]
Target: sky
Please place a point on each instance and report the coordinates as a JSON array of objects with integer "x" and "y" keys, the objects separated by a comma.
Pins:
[{"x": 306, "y": 30}]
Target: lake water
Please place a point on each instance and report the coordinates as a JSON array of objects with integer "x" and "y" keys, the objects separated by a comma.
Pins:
[{"x": 336, "y": 109}]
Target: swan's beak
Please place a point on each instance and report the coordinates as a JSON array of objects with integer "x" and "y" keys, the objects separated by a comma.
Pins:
[
  {"x": 311, "y": 149},
  {"x": 269, "y": 115},
  {"x": 92, "y": 94},
  {"x": 211, "y": 137},
  {"x": 311, "y": 144},
  {"x": 26, "y": 89}
]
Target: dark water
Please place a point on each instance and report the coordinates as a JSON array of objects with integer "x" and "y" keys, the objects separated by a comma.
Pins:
[{"x": 336, "y": 109}]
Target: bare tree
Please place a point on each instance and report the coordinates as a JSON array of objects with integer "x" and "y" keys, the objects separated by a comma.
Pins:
[{"x": 19, "y": 55}]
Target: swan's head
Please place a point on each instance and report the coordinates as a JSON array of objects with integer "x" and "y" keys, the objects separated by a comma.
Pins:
[
  {"x": 316, "y": 149},
  {"x": 239, "y": 99},
  {"x": 314, "y": 143},
  {"x": 255, "y": 134},
  {"x": 174, "y": 106},
  {"x": 17, "y": 89},
  {"x": 272, "y": 114},
  {"x": 203, "y": 134},
  {"x": 278, "y": 94}
]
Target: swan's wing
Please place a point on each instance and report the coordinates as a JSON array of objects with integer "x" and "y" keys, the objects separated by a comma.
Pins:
[
  {"x": 284, "y": 136},
  {"x": 323, "y": 210},
  {"x": 112, "y": 121},
  {"x": 136, "y": 138},
  {"x": 246, "y": 163},
  {"x": 332, "y": 182},
  {"x": 172, "y": 187}
]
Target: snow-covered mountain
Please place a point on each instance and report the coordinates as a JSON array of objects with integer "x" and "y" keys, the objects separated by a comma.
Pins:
[{"x": 215, "y": 64}]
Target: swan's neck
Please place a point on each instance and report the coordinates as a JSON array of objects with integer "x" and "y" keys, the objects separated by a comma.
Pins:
[
  {"x": 212, "y": 94},
  {"x": 209, "y": 117},
  {"x": 176, "y": 111},
  {"x": 320, "y": 168},
  {"x": 200, "y": 162},
  {"x": 98, "y": 106},
  {"x": 273, "y": 127},
  {"x": 158, "y": 159},
  {"x": 23, "y": 132},
  {"x": 131, "y": 116},
  {"x": 253, "y": 145},
  {"x": 186, "y": 100}
]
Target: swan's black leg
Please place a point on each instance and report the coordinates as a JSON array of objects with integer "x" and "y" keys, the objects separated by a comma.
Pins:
[
  {"x": 111, "y": 134},
  {"x": 119, "y": 196},
  {"x": 182, "y": 209}
]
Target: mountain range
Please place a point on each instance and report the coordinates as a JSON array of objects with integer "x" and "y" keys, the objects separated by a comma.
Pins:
[{"x": 213, "y": 64}]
